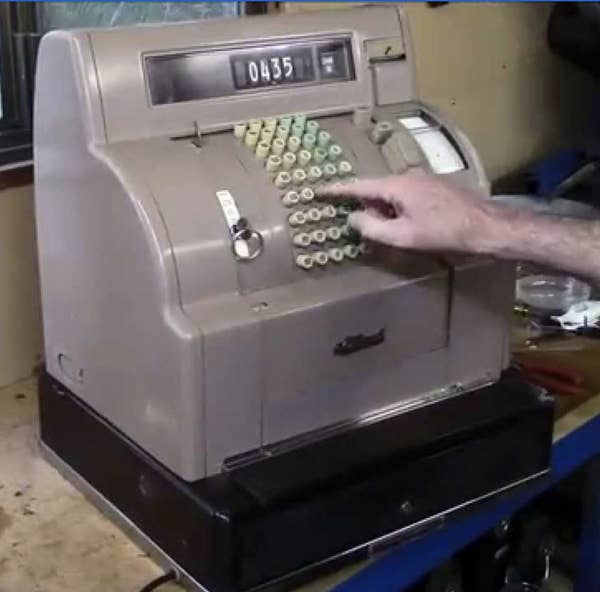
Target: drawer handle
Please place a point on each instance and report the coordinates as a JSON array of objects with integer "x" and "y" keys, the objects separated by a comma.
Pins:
[{"x": 355, "y": 343}]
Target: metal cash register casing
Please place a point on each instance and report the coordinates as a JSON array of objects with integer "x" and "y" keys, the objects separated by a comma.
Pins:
[
  {"x": 199, "y": 358},
  {"x": 231, "y": 374}
]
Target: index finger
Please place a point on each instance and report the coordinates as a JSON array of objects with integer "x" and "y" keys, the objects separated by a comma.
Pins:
[{"x": 363, "y": 189}]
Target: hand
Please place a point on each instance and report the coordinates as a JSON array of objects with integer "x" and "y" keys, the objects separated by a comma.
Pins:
[{"x": 414, "y": 210}]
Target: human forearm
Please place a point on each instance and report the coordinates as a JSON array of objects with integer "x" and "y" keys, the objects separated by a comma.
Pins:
[
  {"x": 563, "y": 243},
  {"x": 422, "y": 212}
]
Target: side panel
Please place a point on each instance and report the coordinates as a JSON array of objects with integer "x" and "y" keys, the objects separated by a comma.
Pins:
[{"x": 112, "y": 328}]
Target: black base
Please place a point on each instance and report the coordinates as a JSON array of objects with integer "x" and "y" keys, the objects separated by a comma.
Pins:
[{"x": 254, "y": 526}]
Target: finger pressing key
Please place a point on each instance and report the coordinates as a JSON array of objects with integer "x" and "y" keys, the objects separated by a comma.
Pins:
[{"x": 363, "y": 189}]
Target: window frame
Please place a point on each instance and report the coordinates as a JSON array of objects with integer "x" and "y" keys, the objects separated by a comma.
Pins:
[
  {"x": 19, "y": 37},
  {"x": 16, "y": 19}
]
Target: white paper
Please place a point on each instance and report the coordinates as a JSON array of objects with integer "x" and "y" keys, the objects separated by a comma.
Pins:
[{"x": 441, "y": 154}]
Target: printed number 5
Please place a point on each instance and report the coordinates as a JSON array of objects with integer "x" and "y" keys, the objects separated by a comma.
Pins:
[{"x": 288, "y": 67}]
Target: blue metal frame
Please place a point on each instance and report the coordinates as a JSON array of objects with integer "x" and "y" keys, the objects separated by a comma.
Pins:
[{"x": 406, "y": 564}]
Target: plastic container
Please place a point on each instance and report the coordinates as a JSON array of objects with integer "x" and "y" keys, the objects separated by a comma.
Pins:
[{"x": 551, "y": 294}]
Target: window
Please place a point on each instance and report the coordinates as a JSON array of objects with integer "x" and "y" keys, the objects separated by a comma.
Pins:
[
  {"x": 22, "y": 25},
  {"x": 63, "y": 15},
  {"x": 17, "y": 44}
]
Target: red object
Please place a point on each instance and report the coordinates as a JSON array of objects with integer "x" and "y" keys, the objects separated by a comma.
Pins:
[{"x": 558, "y": 379}]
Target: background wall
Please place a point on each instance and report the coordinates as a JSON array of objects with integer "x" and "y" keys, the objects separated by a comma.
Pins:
[
  {"x": 488, "y": 66},
  {"x": 20, "y": 320}
]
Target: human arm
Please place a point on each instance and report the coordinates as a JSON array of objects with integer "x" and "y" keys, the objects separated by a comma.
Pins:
[{"x": 422, "y": 212}]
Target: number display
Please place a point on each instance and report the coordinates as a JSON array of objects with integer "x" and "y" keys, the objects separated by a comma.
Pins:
[
  {"x": 199, "y": 75},
  {"x": 268, "y": 70},
  {"x": 272, "y": 67}
]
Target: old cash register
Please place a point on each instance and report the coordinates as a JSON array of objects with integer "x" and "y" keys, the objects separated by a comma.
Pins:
[{"x": 230, "y": 372}]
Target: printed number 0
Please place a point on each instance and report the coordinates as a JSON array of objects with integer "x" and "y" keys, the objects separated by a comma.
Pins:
[{"x": 253, "y": 72}]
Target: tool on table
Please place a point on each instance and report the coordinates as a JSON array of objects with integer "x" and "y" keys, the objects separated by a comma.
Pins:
[{"x": 557, "y": 378}]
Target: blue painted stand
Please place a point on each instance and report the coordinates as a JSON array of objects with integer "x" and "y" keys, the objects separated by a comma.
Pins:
[{"x": 407, "y": 563}]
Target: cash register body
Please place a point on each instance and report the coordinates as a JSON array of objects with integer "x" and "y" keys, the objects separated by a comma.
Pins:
[{"x": 203, "y": 361}]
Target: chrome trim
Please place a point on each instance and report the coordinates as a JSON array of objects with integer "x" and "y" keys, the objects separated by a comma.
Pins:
[
  {"x": 128, "y": 528},
  {"x": 371, "y": 417}
]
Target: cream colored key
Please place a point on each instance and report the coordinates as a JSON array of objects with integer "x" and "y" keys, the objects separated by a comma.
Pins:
[
  {"x": 334, "y": 233},
  {"x": 336, "y": 254},
  {"x": 323, "y": 139},
  {"x": 278, "y": 146},
  {"x": 321, "y": 258},
  {"x": 304, "y": 260},
  {"x": 254, "y": 125},
  {"x": 293, "y": 144},
  {"x": 307, "y": 195},
  {"x": 302, "y": 239},
  {"x": 291, "y": 198},
  {"x": 270, "y": 123},
  {"x": 239, "y": 130},
  {"x": 335, "y": 151},
  {"x": 318, "y": 236},
  {"x": 319, "y": 155},
  {"x": 304, "y": 157},
  {"x": 288, "y": 161},
  {"x": 251, "y": 139},
  {"x": 300, "y": 119},
  {"x": 262, "y": 150},
  {"x": 297, "y": 218},
  {"x": 298, "y": 177},
  {"x": 344, "y": 168},
  {"x": 309, "y": 141},
  {"x": 286, "y": 120},
  {"x": 273, "y": 163},
  {"x": 282, "y": 132},
  {"x": 297, "y": 130},
  {"x": 313, "y": 215},
  {"x": 282, "y": 180},
  {"x": 351, "y": 251},
  {"x": 315, "y": 173},
  {"x": 329, "y": 170},
  {"x": 328, "y": 212},
  {"x": 312, "y": 127},
  {"x": 266, "y": 135}
]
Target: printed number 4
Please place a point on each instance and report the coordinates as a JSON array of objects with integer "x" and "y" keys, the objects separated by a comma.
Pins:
[{"x": 264, "y": 70}]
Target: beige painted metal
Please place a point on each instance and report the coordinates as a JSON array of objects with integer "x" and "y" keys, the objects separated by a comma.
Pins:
[{"x": 150, "y": 319}]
